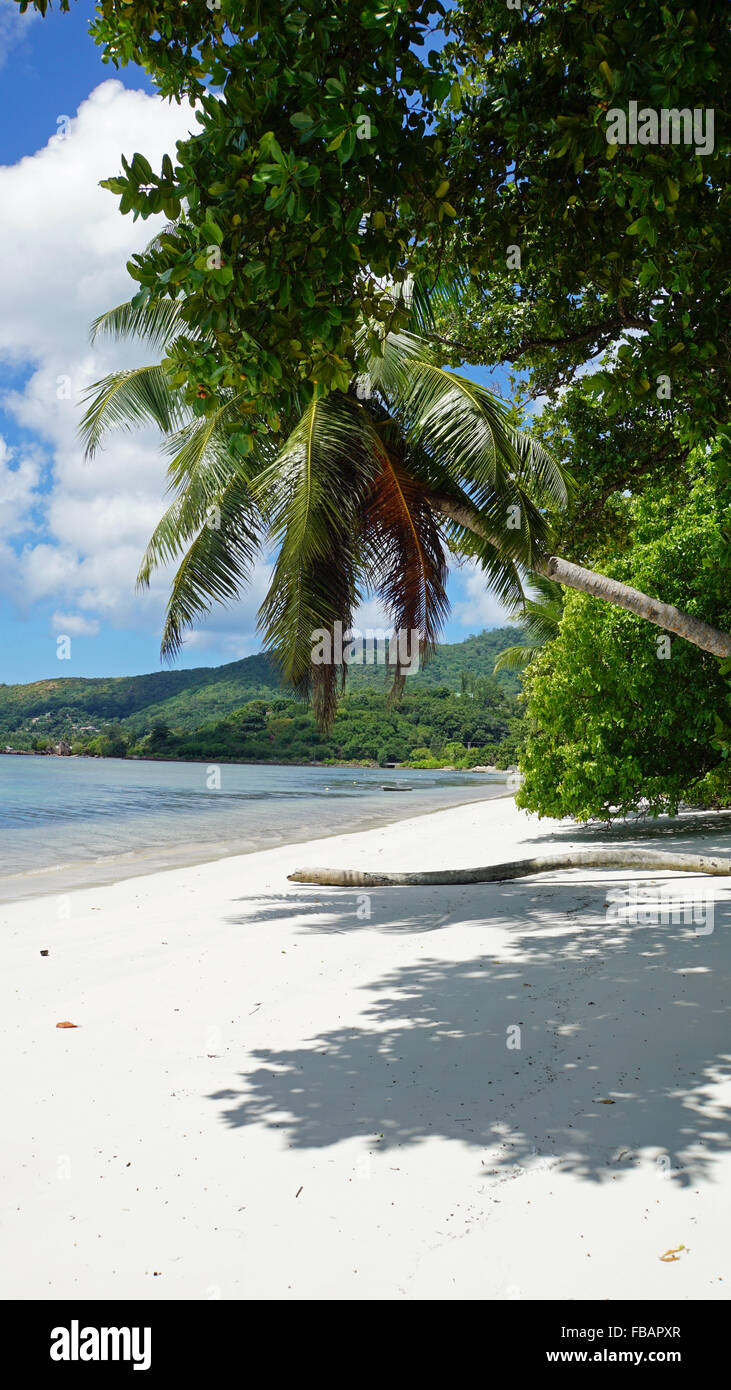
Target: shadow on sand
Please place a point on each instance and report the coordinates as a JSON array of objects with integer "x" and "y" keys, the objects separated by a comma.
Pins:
[{"x": 606, "y": 1010}]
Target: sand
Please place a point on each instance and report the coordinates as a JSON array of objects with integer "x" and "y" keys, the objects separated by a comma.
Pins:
[{"x": 279, "y": 1091}]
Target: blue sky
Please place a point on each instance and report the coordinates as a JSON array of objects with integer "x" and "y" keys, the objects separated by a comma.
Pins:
[{"x": 71, "y": 534}]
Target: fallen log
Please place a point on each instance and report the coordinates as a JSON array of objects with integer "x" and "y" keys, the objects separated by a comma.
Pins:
[{"x": 522, "y": 868}]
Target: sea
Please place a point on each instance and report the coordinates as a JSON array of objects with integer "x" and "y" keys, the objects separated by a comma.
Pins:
[{"x": 73, "y": 822}]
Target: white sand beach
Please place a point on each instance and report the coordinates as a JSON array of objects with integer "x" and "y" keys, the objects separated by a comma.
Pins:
[{"x": 287, "y": 1092}]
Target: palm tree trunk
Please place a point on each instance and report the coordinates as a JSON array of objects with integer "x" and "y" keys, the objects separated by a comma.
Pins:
[{"x": 664, "y": 615}]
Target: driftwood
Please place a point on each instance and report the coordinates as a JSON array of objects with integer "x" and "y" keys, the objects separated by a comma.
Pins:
[{"x": 521, "y": 868}]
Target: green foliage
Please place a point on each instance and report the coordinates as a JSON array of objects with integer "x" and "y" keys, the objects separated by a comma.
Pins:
[
  {"x": 40, "y": 744},
  {"x": 42, "y": 6},
  {"x": 367, "y": 729},
  {"x": 436, "y": 721},
  {"x": 713, "y": 790},
  {"x": 540, "y": 614},
  {"x": 179, "y": 698},
  {"x": 614, "y": 727},
  {"x": 316, "y": 185},
  {"x": 336, "y": 155},
  {"x": 613, "y": 237},
  {"x": 316, "y": 173},
  {"x": 608, "y": 458}
]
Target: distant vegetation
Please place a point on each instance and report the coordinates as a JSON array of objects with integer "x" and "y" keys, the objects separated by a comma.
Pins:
[{"x": 453, "y": 712}]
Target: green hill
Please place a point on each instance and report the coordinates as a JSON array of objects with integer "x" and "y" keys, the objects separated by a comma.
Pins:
[{"x": 184, "y": 700}]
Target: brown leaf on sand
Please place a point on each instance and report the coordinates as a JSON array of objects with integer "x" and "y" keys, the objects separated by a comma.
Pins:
[
  {"x": 67, "y": 1025},
  {"x": 671, "y": 1256}
]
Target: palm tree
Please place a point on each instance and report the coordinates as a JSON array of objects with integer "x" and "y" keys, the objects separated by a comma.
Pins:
[
  {"x": 368, "y": 493},
  {"x": 540, "y": 617}
]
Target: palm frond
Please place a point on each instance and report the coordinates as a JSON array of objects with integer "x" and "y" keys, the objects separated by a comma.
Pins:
[
  {"x": 311, "y": 497},
  {"x": 427, "y": 295},
  {"x": 405, "y": 560},
  {"x": 203, "y": 442},
  {"x": 216, "y": 566},
  {"x": 384, "y": 367},
  {"x": 345, "y": 502},
  {"x": 201, "y": 469},
  {"x": 509, "y": 477},
  {"x": 155, "y": 321},
  {"x": 513, "y": 659},
  {"x": 540, "y": 618},
  {"x": 129, "y": 400},
  {"x": 464, "y": 423},
  {"x": 168, "y": 230},
  {"x": 497, "y": 549},
  {"x": 547, "y": 479},
  {"x": 177, "y": 527}
]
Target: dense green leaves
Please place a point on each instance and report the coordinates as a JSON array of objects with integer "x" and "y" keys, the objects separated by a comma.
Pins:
[
  {"x": 621, "y": 718},
  {"x": 336, "y": 152},
  {"x": 618, "y": 243},
  {"x": 316, "y": 175}
]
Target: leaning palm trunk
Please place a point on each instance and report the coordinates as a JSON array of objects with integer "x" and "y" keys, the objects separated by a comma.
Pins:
[
  {"x": 521, "y": 868},
  {"x": 695, "y": 630}
]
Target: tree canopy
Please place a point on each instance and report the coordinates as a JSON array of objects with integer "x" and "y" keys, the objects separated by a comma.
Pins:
[
  {"x": 338, "y": 151},
  {"x": 620, "y": 244}
]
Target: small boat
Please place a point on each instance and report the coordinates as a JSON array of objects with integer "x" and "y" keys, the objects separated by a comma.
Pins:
[{"x": 395, "y": 787}]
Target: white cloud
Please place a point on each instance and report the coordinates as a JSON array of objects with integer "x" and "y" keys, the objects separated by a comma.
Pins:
[
  {"x": 20, "y": 474},
  {"x": 74, "y": 625},
  {"x": 13, "y": 27},
  {"x": 64, "y": 243},
  {"x": 63, "y": 251},
  {"x": 480, "y": 608},
  {"x": 372, "y": 615}
]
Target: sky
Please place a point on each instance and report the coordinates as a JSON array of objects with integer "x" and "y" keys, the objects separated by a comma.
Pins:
[{"x": 71, "y": 532}]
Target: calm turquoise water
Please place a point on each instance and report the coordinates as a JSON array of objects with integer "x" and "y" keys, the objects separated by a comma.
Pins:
[{"x": 69, "y": 821}]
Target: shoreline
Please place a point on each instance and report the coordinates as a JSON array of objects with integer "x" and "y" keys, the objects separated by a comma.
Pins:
[
  {"x": 249, "y": 762},
  {"x": 77, "y": 875},
  {"x": 260, "y": 1070}
]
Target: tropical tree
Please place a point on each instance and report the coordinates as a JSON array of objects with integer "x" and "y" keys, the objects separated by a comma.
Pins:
[
  {"x": 618, "y": 721},
  {"x": 352, "y": 499},
  {"x": 368, "y": 492}
]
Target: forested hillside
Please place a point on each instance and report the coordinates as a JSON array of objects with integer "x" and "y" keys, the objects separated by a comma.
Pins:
[
  {"x": 73, "y": 708},
  {"x": 429, "y": 727}
]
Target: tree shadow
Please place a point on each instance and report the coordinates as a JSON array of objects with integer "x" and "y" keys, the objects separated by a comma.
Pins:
[
  {"x": 516, "y": 1050},
  {"x": 685, "y": 830}
]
